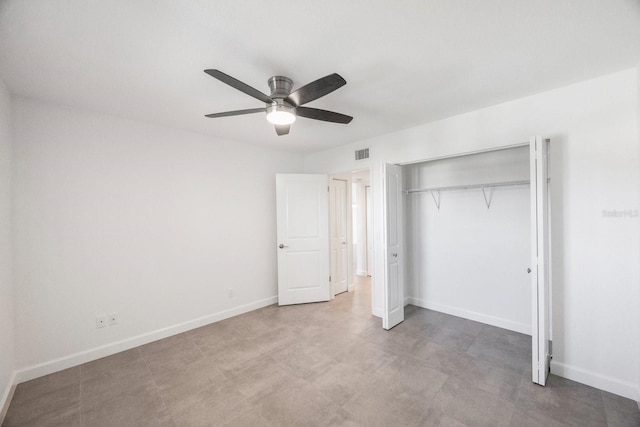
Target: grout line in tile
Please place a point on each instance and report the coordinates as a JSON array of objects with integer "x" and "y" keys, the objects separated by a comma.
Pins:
[{"x": 80, "y": 399}]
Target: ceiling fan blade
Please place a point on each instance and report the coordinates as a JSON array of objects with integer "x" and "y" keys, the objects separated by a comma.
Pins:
[
  {"x": 282, "y": 129},
  {"x": 316, "y": 89},
  {"x": 327, "y": 116},
  {"x": 236, "y": 113},
  {"x": 237, "y": 84}
]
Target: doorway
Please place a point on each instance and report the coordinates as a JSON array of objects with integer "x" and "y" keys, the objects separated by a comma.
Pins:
[
  {"x": 350, "y": 230},
  {"x": 361, "y": 220}
]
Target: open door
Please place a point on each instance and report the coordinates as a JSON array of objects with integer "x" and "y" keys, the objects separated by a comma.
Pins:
[
  {"x": 540, "y": 266},
  {"x": 338, "y": 225},
  {"x": 302, "y": 206},
  {"x": 394, "y": 283}
]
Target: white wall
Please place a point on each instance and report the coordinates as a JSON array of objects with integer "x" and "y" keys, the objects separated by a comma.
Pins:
[
  {"x": 466, "y": 259},
  {"x": 7, "y": 343},
  {"x": 593, "y": 126},
  {"x": 120, "y": 216}
]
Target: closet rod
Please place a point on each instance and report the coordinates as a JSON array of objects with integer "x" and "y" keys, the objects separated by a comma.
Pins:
[{"x": 468, "y": 187}]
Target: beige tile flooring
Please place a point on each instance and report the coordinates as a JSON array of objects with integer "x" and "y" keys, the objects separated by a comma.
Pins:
[{"x": 325, "y": 364}]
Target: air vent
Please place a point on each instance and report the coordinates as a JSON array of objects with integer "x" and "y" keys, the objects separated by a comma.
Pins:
[{"x": 362, "y": 154}]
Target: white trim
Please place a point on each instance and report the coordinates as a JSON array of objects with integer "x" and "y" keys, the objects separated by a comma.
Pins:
[
  {"x": 471, "y": 315},
  {"x": 377, "y": 312},
  {"x": 75, "y": 359},
  {"x": 7, "y": 396},
  {"x": 467, "y": 153},
  {"x": 602, "y": 382}
]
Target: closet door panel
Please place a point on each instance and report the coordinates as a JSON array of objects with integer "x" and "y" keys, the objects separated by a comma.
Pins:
[{"x": 394, "y": 283}]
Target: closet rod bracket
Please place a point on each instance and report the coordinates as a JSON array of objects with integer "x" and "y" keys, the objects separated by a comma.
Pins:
[
  {"x": 436, "y": 200},
  {"x": 487, "y": 200}
]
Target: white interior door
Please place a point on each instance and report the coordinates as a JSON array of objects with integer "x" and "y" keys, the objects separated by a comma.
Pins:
[
  {"x": 540, "y": 266},
  {"x": 394, "y": 283},
  {"x": 338, "y": 221},
  {"x": 302, "y": 205}
]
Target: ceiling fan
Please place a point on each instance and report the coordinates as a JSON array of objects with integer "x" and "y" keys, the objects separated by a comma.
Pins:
[{"x": 282, "y": 106}]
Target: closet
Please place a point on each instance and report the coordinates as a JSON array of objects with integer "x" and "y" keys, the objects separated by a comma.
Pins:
[{"x": 467, "y": 236}]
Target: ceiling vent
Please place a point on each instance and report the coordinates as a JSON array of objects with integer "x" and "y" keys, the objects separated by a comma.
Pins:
[{"x": 362, "y": 154}]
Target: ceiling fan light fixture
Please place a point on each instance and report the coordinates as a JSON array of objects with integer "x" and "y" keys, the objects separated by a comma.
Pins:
[
  {"x": 281, "y": 114},
  {"x": 283, "y": 105}
]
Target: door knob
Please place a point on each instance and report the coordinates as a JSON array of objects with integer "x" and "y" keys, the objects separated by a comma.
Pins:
[
  {"x": 528, "y": 270},
  {"x": 395, "y": 255},
  {"x": 281, "y": 246}
]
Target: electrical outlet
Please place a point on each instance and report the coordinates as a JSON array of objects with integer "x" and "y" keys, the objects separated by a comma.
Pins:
[
  {"x": 113, "y": 319},
  {"x": 101, "y": 321}
]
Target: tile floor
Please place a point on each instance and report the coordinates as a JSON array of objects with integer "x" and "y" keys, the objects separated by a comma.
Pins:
[{"x": 326, "y": 364}]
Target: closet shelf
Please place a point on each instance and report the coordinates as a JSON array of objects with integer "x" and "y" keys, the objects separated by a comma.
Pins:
[
  {"x": 483, "y": 187},
  {"x": 467, "y": 187}
]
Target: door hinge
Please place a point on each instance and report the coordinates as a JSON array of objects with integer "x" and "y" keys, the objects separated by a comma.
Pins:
[
  {"x": 328, "y": 188},
  {"x": 329, "y": 278}
]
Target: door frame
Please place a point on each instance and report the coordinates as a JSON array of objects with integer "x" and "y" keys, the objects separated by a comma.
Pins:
[{"x": 540, "y": 302}]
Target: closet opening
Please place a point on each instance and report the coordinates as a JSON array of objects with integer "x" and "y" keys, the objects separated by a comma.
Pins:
[{"x": 468, "y": 235}]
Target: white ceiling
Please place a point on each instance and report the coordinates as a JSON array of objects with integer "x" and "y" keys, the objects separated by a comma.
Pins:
[{"x": 405, "y": 62}]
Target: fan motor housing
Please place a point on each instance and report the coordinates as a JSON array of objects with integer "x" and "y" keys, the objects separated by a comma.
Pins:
[{"x": 280, "y": 86}]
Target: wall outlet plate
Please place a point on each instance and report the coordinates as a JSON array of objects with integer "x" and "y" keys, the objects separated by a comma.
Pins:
[{"x": 101, "y": 321}]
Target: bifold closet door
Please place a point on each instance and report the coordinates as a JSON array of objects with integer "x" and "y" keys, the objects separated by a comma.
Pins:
[
  {"x": 394, "y": 283},
  {"x": 540, "y": 266}
]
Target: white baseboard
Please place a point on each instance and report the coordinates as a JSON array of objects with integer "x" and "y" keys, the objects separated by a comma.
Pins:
[
  {"x": 7, "y": 396},
  {"x": 79, "y": 358},
  {"x": 602, "y": 382},
  {"x": 361, "y": 273},
  {"x": 471, "y": 315}
]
